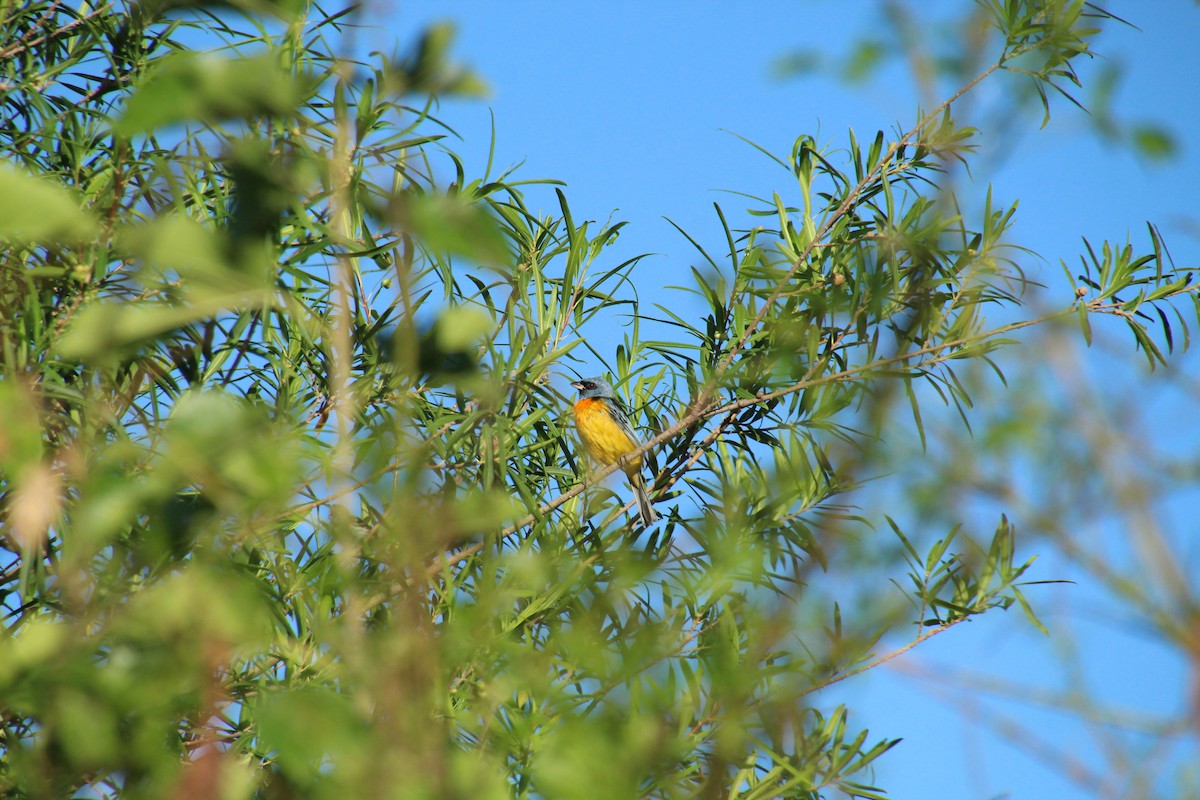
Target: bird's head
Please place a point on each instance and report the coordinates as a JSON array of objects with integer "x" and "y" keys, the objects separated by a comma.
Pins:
[{"x": 594, "y": 387}]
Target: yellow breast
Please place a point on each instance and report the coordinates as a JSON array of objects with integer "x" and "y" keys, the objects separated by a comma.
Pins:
[{"x": 602, "y": 437}]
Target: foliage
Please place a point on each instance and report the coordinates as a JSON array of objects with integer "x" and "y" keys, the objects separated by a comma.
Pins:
[{"x": 290, "y": 504}]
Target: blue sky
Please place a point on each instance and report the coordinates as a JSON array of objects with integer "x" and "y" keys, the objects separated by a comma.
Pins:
[{"x": 634, "y": 106}]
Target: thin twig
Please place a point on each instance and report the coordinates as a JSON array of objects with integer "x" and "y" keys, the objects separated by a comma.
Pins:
[{"x": 841, "y": 676}]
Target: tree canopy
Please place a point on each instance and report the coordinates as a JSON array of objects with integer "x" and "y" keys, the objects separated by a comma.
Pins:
[{"x": 291, "y": 502}]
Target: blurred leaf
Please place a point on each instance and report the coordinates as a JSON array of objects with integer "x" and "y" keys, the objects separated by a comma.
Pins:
[
  {"x": 37, "y": 643},
  {"x": 797, "y": 64},
  {"x": 187, "y": 86},
  {"x": 863, "y": 60},
  {"x": 201, "y": 273},
  {"x": 461, "y": 327},
  {"x": 479, "y": 511},
  {"x": 173, "y": 243},
  {"x": 38, "y": 209},
  {"x": 229, "y": 447},
  {"x": 429, "y": 68},
  {"x": 34, "y": 504},
  {"x": 474, "y": 775},
  {"x": 1154, "y": 142},
  {"x": 106, "y": 331},
  {"x": 200, "y": 263},
  {"x": 308, "y": 727},
  {"x": 449, "y": 350},
  {"x": 450, "y": 223},
  {"x": 87, "y": 728},
  {"x": 283, "y": 9},
  {"x": 267, "y": 178},
  {"x": 21, "y": 443},
  {"x": 201, "y": 606}
]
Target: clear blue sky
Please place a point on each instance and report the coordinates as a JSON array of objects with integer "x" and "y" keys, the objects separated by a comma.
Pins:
[{"x": 628, "y": 103}]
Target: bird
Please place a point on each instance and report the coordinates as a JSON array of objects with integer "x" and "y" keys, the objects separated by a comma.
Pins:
[{"x": 608, "y": 437}]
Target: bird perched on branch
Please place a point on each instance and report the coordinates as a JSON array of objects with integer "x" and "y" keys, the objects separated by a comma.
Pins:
[{"x": 608, "y": 437}]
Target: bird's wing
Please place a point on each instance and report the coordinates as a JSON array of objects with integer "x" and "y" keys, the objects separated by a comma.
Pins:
[{"x": 618, "y": 414}]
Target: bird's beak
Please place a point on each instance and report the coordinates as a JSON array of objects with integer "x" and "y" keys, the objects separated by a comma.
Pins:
[{"x": 577, "y": 385}]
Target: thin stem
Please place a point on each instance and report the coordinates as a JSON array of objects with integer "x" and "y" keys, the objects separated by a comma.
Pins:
[{"x": 841, "y": 676}]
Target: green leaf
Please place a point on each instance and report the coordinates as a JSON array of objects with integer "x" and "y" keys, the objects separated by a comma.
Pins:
[
  {"x": 188, "y": 86},
  {"x": 306, "y": 726},
  {"x": 38, "y": 642},
  {"x": 863, "y": 60},
  {"x": 1085, "y": 322},
  {"x": 796, "y": 64},
  {"x": 228, "y": 446},
  {"x": 174, "y": 246},
  {"x": 452, "y": 224},
  {"x": 429, "y": 69},
  {"x": 1153, "y": 354},
  {"x": 105, "y": 331},
  {"x": 236, "y": 613},
  {"x": 87, "y": 727},
  {"x": 283, "y": 9},
  {"x": 1029, "y": 612},
  {"x": 21, "y": 445},
  {"x": 1168, "y": 289},
  {"x": 38, "y": 209},
  {"x": 1156, "y": 144},
  {"x": 461, "y": 327}
]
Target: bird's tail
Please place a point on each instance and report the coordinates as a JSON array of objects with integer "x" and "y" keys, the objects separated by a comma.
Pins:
[{"x": 643, "y": 500}]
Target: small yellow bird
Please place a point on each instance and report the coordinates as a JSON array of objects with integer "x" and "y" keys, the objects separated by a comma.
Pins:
[{"x": 608, "y": 437}]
